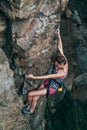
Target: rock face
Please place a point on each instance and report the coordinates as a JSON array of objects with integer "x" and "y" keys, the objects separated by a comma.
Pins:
[
  {"x": 79, "y": 33},
  {"x": 27, "y": 37},
  {"x": 3, "y": 27},
  {"x": 28, "y": 40},
  {"x": 24, "y": 9},
  {"x": 6, "y": 74},
  {"x": 6, "y": 85},
  {"x": 79, "y": 43}
]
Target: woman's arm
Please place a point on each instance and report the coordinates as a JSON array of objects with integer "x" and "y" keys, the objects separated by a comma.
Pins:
[
  {"x": 60, "y": 74},
  {"x": 59, "y": 43}
]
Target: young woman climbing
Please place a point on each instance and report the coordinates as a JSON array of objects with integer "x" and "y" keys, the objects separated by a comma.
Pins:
[{"x": 59, "y": 72}]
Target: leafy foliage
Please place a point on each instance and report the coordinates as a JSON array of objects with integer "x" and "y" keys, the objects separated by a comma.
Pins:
[{"x": 69, "y": 114}]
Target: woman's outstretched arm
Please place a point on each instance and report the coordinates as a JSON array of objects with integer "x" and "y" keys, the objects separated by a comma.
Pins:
[
  {"x": 59, "y": 43},
  {"x": 60, "y": 74}
]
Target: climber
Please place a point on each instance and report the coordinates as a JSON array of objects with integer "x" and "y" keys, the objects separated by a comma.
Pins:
[{"x": 50, "y": 85}]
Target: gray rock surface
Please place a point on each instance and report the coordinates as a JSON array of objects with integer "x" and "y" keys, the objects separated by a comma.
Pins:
[
  {"x": 81, "y": 80},
  {"x": 6, "y": 74}
]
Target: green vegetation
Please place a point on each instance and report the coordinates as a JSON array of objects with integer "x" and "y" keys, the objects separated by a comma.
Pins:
[{"x": 69, "y": 115}]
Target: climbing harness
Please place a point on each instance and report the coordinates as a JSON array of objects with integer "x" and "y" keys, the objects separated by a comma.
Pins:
[
  {"x": 54, "y": 85},
  {"x": 61, "y": 85}
]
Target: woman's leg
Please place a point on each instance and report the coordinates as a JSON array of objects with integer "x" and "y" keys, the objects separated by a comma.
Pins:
[
  {"x": 34, "y": 95},
  {"x": 38, "y": 92},
  {"x": 34, "y": 103},
  {"x": 30, "y": 95}
]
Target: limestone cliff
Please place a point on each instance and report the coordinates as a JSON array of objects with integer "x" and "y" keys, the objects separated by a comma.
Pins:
[{"x": 27, "y": 31}]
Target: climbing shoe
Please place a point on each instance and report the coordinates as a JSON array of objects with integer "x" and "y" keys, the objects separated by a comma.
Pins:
[{"x": 26, "y": 110}]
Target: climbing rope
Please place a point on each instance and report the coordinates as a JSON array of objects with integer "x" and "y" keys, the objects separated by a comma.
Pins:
[{"x": 74, "y": 93}]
